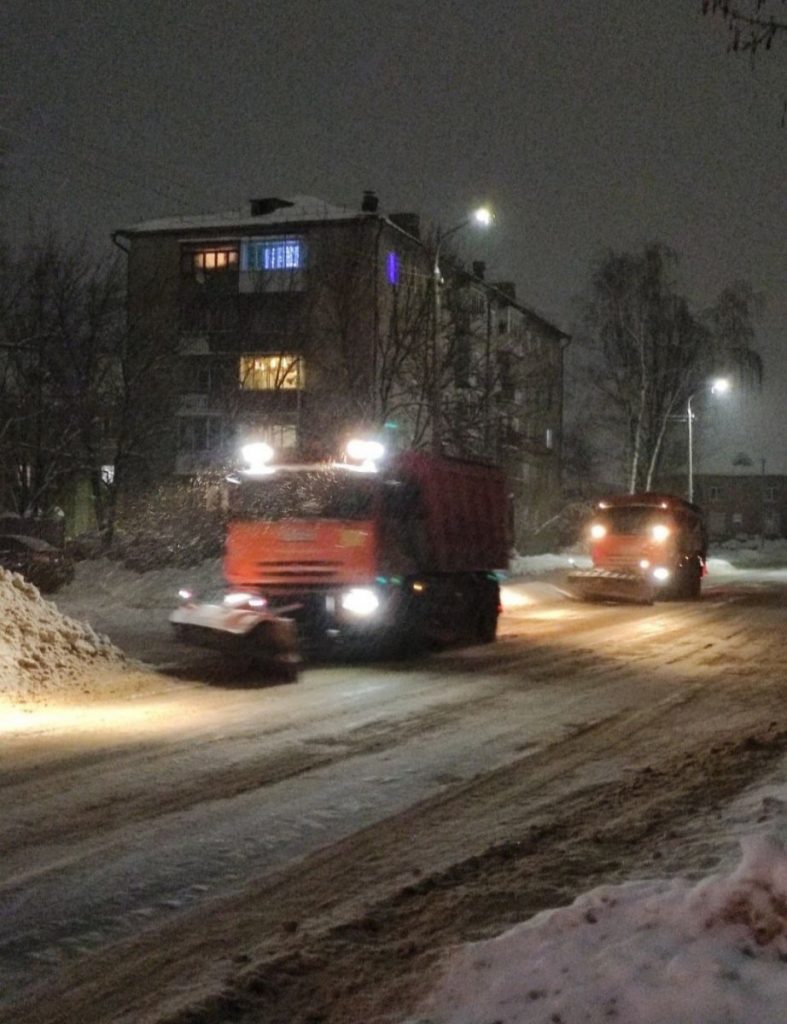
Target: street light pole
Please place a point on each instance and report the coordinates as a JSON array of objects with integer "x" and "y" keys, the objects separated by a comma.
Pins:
[
  {"x": 717, "y": 387},
  {"x": 483, "y": 217},
  {"x": 691, "y": 449}
]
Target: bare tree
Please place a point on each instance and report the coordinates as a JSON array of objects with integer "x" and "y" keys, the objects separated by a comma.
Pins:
[
  {"x": 647, "y": 352},
  {"x": 752, "y": 24},
  {"x": 54, "y": 307},
  {"x": 83, "y": 394}
]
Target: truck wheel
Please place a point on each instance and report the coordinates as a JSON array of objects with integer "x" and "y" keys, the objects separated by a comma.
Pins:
[
  {"x": 486, "y": 620},
  {"x": 693, "y": 580},
  {"x": 688, "y": 581}
]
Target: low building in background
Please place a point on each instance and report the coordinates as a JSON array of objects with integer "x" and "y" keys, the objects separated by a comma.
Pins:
[{"x": 743, "y": 505}]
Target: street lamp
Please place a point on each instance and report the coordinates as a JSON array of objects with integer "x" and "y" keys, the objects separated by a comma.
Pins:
[
  {"x": 718, "y": 386},
  {"x": 481, "y": 217}
]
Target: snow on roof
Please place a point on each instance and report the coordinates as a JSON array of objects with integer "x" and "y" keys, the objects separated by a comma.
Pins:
[{"x": 294, "y": 210}]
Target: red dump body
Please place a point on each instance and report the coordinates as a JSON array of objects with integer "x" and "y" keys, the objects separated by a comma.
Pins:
[{"x": 465, "y": 511}]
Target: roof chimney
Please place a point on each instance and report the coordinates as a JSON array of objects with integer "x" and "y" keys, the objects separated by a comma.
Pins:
[
  {"x": 370, "y": 201},
  {"x": 479, "y": 269}
]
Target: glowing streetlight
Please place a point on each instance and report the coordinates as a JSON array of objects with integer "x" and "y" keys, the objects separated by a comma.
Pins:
[
  {"x": 480, "y": 217},
  {"x": 717, "y": 386}
]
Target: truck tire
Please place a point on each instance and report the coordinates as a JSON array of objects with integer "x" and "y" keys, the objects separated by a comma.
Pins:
[
  {"x": 694, "y": 580},
  {"x": 688, "y": 581},
  {"x": 486, "y": 617}
]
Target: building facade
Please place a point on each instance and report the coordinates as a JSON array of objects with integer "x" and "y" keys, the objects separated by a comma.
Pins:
[
  {"x": 743, "y": 504},
  {"x": 301, "y": 323}
]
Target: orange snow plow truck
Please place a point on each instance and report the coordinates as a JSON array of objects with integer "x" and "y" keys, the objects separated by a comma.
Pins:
[
  {"x": 381, "y": 555},
  {"x": 644, "y": 546}
]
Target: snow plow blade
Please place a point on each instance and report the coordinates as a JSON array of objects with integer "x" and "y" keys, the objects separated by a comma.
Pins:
[
  {"x": 606, "y": 585},
  {"x": 269, "y": 641}
]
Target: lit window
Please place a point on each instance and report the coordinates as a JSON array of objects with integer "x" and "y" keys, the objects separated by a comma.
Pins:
[
  {"x": 194, "y": 260},
  {"x": 392, "y": 266},
  {"x": 271, "y": 373},
  {"x": 271, "y": 254}
]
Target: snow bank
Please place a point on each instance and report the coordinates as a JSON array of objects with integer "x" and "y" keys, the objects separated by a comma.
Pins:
[
  {"x": 655, "y": 952},
  {"x": 539, "y": 565},
  {"x": 103, "y": 581},
  {"x": 43, "y": 652},
  {"x": 752, "y": 554}
]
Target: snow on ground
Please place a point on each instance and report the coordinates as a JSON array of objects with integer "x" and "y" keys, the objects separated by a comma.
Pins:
[
  {"x": 663, "y": 951},
  {"x": 651, "y": 952},
  {"x": 42, "y": 652}
]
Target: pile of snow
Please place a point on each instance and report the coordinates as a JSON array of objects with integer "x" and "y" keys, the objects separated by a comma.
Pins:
[
  {"x": 655, "y": 952},
  {"x": 43, "y": 652}
]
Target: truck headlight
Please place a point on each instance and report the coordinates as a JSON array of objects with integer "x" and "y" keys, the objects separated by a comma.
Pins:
[
  {"x": 240, "y": 599},
  {"x": 360, "y": 601},
  {"x": 661, "y": 574}
]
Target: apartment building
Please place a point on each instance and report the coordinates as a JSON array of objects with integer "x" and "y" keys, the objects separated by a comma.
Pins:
[{"x": 300, "y": 322}]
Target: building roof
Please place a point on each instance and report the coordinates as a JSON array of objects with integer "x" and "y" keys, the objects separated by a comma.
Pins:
[{"x": 292, "y": 210}]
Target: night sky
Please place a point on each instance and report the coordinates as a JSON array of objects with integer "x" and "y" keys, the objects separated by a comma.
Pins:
[{"x": 587, "y": 123}]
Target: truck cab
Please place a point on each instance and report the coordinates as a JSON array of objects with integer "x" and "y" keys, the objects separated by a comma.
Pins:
[{"x": 658, "y": 539}]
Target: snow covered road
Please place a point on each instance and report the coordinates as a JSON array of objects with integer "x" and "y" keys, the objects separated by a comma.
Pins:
[{"x": 165, "y": 855}]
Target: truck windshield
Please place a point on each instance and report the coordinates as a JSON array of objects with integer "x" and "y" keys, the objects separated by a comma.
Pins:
[
  {"x": 313, "y": 494},
  {"x": 631, "y": 521}
]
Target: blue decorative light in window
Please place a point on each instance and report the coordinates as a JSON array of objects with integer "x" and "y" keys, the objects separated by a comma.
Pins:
[
  {"x": 272, "y": 254},
  {"x": 392, "y": 266}
]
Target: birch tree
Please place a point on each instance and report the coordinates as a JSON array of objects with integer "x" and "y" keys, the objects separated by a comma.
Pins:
[{"x": 647, "y": 351}]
